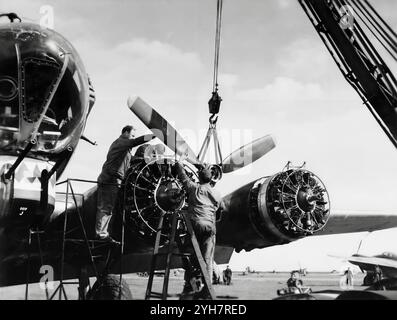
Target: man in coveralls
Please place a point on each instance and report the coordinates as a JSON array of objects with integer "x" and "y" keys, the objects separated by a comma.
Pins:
[
  {"x": 203, "y": 203},
  {"x": 113, "y": 172}
]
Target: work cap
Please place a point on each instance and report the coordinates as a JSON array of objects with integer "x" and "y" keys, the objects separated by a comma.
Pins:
[{"x": 205, "y": 175}]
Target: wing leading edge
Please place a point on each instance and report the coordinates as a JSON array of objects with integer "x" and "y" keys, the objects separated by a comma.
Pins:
[{"x": 350, "y": 222}]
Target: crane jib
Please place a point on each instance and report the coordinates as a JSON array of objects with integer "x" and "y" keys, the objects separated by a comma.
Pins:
[{"x": 357, "y": 57}]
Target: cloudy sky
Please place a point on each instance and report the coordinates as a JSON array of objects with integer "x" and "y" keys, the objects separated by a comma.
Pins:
[{"x": 275, "y": 77}]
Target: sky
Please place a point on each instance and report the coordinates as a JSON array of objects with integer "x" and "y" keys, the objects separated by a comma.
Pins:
[{"x": 276, "y": 77}]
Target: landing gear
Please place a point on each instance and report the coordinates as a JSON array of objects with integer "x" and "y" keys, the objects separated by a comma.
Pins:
[
  {"x": 109, "y": 287},
  {"x": 368, "y": 279},
  {"x": 90, "y": 256}
]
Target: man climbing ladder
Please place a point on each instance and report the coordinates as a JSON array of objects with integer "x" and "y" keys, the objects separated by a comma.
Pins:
[{"x": 203, "y": 203}]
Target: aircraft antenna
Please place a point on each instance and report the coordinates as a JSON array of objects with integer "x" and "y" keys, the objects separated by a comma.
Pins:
[
  {"x": 11, "y": 16},
  {"x": 361, "y": 242}
]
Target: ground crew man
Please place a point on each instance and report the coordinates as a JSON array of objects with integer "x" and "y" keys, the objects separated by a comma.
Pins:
[
  {"x": 228, "y": 275},
  {"x": 113, "y": 172},
  {"x": 349, "y": 278},
  {"x": 377, "y": 274},
  {"x": 294, "y": 281},
  {"x": 203, "y": 203}
]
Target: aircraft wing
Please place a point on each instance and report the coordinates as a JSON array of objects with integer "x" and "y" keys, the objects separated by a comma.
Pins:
[
  {"x": 373, "y": 261},
  {"x": 340, "y": 222},
  {"x": 223, "y": 254}
]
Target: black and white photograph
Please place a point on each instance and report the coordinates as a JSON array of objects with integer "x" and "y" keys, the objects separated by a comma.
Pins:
[{"x": 198, "y": 150}]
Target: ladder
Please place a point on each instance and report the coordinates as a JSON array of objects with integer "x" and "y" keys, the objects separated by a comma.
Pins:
[
  {"x": 171, "y": 252},
  {"x": 91, "y": 250},
  {"x": 31, "y": 233}
]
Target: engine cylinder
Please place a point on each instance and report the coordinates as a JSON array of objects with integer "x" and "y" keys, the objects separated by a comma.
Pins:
[
  {"x": 274, "y": 210},
  {"x": 154, "y": 191},
  {"x": 293, "y": 204}
]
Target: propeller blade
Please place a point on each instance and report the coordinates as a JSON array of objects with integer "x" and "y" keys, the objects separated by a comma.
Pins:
[
  {"x": 161, "y": 129},
  {"x": 248, "y": 153}
]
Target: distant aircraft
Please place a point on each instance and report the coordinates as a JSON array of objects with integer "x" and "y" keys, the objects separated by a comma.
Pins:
[{"x": 386, "y": 261}]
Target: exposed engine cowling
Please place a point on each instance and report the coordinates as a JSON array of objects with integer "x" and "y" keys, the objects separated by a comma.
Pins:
[
  {"x": 152, "y": 191},
  {"x": 274, "y": 210},
  {"x": 296, "y": 202}
]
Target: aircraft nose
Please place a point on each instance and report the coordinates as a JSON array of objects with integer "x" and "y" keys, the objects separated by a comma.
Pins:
[{"x": 44, "y": 90}]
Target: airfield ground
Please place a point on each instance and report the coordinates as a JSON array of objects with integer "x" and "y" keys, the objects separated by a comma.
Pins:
[{"x": 253, "y": 286}]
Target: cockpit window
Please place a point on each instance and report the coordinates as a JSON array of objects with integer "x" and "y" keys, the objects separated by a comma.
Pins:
[
  {"x": 8, "y": 89},
  {"x": 63, "y": 114},
  {"x": 44, "y": 91},
  {"x": 38, "y": 80}
]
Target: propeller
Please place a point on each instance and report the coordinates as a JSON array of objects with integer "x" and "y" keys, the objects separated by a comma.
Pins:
[
  {"x": 172, "y": 139},
  {"x": 162, "y": 129},
  {"x": 248, "y": 154}
]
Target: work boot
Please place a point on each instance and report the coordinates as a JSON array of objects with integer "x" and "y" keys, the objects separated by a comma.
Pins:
[
  {"x": 108, "y": 239},
  {"x": 187, "y": 292},
  {"x": 204, "y": 294}
]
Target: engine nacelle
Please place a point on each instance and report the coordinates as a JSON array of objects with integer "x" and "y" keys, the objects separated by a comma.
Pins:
[
  {"x": 274, "y": 210},
  {"x": 152, "y": 191}
]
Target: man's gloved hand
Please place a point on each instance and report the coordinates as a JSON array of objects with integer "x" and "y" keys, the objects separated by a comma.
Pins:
[
  {"x": 178, "y": 196},
  {"x": 149, "y": 136},
  {"x": 199, "y": 166},
  {"x": 142, "y": 139},
  {"x": 180, "y": 169}
]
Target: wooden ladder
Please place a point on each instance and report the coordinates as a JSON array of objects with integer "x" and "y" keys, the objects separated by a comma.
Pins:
[{"x": 171, "y": 252}]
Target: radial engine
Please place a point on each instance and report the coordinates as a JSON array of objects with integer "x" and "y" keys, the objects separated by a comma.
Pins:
[{"x": 289, "y": 205}]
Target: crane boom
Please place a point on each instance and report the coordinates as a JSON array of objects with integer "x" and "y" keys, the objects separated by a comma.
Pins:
[{"x": 357, "y": 58}]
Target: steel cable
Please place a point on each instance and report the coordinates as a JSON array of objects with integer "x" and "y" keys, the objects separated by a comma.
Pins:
[{"x": 217, "y": 44}]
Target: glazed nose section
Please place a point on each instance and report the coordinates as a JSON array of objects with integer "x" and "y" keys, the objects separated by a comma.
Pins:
[
  {"x": 8, "y": 88},
  {"x": 9, "y": 97},
  {"x": 9, "y": 118},
  {"x": 5, "y": 191},
  {"x": 29, "y": 79},
  {"x": 44, "y": 90}
]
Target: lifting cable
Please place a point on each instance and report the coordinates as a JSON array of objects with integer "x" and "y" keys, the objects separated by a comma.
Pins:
[
  {"x": 391, "y": 46},
  {"x": 215, "y": 101},
  {"x": 389, "y": 37},
  {"x": 389, "y": 40},
  {"x": 375, "y": 18},
  {"x": 217, "y": 44},
  {"x": 393, "y": 33}
]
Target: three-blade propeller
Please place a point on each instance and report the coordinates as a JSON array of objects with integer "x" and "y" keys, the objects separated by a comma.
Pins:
[
  {"x": 161, "y": 129},
  {"x": 249, "y": 153},
  {"x": 172, "y": 139}
]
